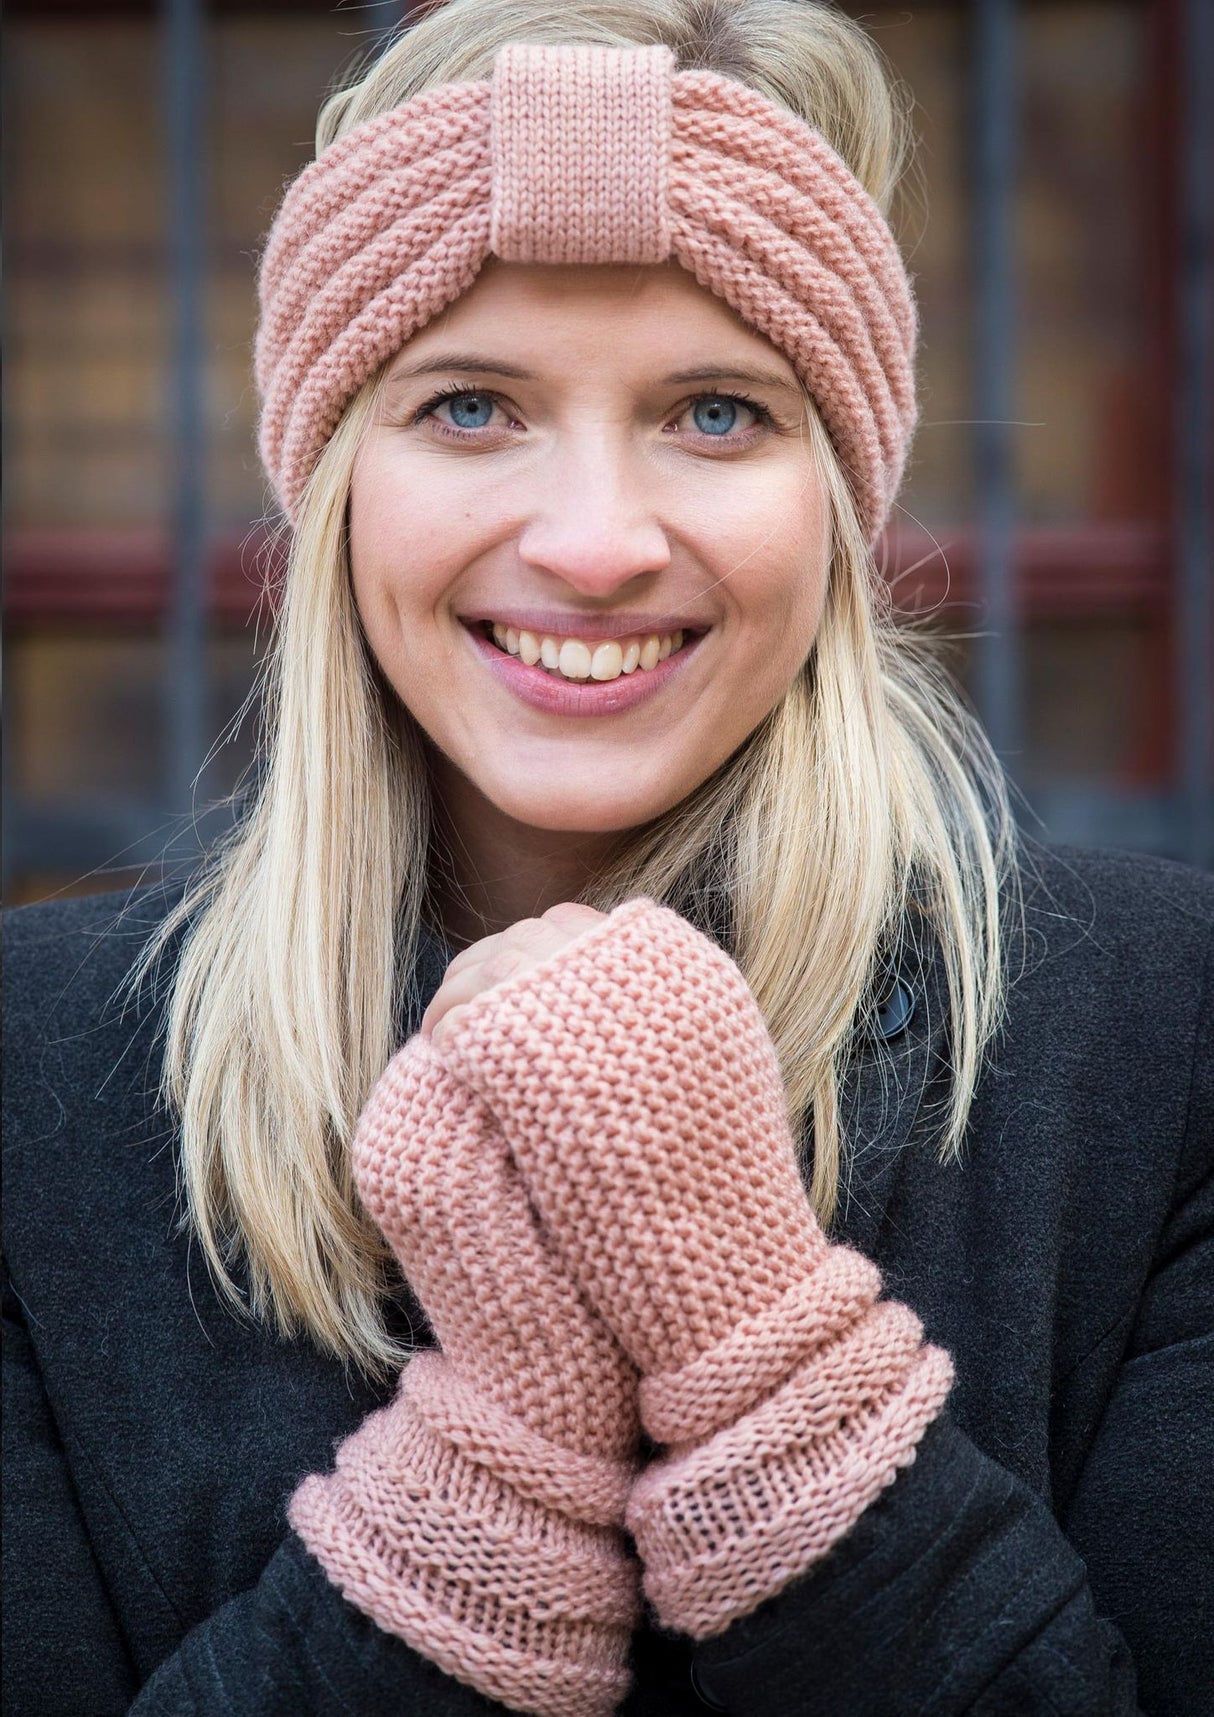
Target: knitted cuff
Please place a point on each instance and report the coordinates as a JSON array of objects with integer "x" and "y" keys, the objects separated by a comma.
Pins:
[
  {"x": 725, "y": 1525},
  {"x": 722, "y": 1384},
  {"x": 529, "y": 1605}
]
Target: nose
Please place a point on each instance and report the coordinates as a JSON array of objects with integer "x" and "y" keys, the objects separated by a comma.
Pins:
[{"x": 591, "y": 526}]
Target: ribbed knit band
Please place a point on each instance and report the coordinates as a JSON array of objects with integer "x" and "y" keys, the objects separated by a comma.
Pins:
[
  {"x": 589, "y": 1488},
  {"x": 757, "y": 1354},
  {"x": 598, "y": 155},
  {"x": 730, "y": 1523},
  {"x": 521, "y": 1601}
]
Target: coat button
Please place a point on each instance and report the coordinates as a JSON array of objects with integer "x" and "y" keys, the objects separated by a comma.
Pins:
[
  {"x": 697, "y": 1687},
  {"x": 895, "y": 1010}
]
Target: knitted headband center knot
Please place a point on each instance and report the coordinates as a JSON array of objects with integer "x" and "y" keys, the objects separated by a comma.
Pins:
[
  {"x": 587, "y": 155},
  {"x": 579, "y": 141}
]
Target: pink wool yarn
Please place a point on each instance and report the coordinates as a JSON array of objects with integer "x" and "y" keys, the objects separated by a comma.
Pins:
[
  {"x": 586, "y": 155},
  {"x": 635, "y": 1082},
  {"x": 478, "y": 1516}
]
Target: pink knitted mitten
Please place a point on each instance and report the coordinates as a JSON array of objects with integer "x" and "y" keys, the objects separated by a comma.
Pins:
[
  {"x": 636, "y": 1083},
  {"x": 479, "y": 1515}
]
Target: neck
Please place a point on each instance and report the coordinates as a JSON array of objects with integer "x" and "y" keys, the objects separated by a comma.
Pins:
[{"x": 490, "y": 870}]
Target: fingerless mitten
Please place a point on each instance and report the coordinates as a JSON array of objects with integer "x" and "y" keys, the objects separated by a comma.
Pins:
[{"x": 479, "y": 1515}]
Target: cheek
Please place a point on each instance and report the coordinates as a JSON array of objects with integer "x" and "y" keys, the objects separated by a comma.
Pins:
[
  {"x": 373, "y": 530},
  {"x": 777, "y": 574},
  {"x": 388, "y": 515},
  {"x": 410, "y": 539}
]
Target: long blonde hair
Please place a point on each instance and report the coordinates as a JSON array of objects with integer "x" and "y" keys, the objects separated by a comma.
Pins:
[{"x": 868, "y": 795}]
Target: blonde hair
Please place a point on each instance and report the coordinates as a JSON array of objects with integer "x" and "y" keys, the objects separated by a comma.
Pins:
[{"x": 867, "y": 798}]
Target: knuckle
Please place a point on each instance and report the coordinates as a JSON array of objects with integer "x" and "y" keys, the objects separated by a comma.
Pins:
[
  {"x": 502, "y": 965},
  {"x": 570, "y": 912}
]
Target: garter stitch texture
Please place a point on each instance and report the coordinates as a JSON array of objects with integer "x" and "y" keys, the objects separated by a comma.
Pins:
[
  {"x": 635, "y": 1082},
  {"x": 478, "y": 1516},
  {"x": 586, "y": 155}
]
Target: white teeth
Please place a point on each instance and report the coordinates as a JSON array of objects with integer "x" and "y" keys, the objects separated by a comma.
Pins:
[
  {"x": 607, "y": 663},
  {"x": 573, "y": 659}
]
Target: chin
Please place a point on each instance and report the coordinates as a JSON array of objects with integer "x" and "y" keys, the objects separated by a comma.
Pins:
[{"x": 582, "y": 810}]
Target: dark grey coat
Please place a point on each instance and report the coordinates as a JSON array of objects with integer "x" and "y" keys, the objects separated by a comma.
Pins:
[{"x": 1051, "y": 1550}]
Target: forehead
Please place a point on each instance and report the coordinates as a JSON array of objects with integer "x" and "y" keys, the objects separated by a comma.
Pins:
[{"x": 655, "y": 313}]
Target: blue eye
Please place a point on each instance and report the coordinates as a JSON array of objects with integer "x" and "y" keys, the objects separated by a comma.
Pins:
[
  {"x": 715, "y": 415},
  {"x": 470, "y": 410}
]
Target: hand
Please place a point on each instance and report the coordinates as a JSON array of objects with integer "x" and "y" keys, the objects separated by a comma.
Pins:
[
  {"x": 495, "y": 958},
  {"x": 637, "y": 1086},
  {"x": 434, "y": 1171},
  {"x": 639, "y": 1091},
  {"x": 478, "y": 1515}
]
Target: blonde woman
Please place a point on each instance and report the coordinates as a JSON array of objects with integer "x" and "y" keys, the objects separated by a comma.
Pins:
[{"x": 624, "y": 1186}]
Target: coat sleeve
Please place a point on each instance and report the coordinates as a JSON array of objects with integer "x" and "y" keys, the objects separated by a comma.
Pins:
[
  {"x": 955, "y": 1592},
  {"x": 289, "y": 1647},
  {"x": 63, "y": 1650},
  {"x": 960, "y": 1590},
  {"x": 293, "y": 1646}
]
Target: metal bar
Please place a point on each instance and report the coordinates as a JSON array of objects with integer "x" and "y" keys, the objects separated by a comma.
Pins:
[
  {"x": 186, "y": 623},
  {"x": 1194, "y": 439},
  {"x": 997, "y": 655}
]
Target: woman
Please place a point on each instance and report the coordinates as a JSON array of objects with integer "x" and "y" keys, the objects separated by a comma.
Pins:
[{"x": 794, "y": 1189}]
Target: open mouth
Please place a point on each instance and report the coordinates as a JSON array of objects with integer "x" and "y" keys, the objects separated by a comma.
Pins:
[{"x": 580, "y": 659}]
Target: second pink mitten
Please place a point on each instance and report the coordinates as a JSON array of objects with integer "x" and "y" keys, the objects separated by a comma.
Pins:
[{"x": 479, "y": 1515}]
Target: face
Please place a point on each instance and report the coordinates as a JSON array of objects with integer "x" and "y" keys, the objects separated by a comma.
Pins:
[{"x": 588, "y": 546}]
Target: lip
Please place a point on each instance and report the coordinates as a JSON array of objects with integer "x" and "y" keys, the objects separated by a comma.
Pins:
[{"x": 555, "y": 696}]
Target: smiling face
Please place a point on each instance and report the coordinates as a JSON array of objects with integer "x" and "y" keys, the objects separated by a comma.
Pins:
[{"x": 588, "y": 545}]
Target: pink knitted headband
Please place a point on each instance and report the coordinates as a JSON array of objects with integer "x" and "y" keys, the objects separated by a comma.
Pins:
[{"x": 586, "y": 155}]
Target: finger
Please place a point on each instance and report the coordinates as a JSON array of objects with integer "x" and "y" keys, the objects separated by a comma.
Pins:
[
  {"x": 446, "y": 1023},
  {"x": 459, "y": 988},
  {"x": 573, "y": 914},
  {"x": 475, "y": 952},
  {"x": 501, "y": 963},
  {"x": 495, "y": 958},
  {"x": 527, "y": 931}
]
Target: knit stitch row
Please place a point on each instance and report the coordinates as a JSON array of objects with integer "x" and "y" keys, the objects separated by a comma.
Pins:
[{"x": 586, "y": 155}]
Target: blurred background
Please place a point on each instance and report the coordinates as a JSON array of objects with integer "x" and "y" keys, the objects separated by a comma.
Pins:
[{"x": 1056, "y": 519}]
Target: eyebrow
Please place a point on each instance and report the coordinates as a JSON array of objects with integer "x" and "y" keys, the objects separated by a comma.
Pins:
[
  {"x": 476, "y": 363},
  {"x": 470, "y": 362},
  {"x": 734, "y": 373}
]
